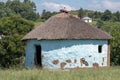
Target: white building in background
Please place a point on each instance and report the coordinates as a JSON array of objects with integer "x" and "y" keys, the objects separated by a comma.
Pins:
[{"x": 87, "y": 19}]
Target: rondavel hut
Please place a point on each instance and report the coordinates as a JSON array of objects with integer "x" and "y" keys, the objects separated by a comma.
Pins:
[{"x": 66, "y": 42}]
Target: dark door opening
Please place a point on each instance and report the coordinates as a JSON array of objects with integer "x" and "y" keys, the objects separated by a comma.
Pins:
[
  {"x": 38, "y": 60},
  {"x": 100, "y": 48}
]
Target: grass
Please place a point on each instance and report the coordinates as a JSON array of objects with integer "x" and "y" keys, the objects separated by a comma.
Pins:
[
  {"x": 112, "y": 73},
  {"x": 38, "y": 24}
]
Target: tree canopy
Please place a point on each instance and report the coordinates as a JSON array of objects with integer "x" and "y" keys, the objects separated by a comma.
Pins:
[
  {"x": 25, "y": 9},
  {"x": 12, "y": 29},
  {"x": 115, "y": 45},
  {"x": 107, "y": 15},
  {"x": 81, "y": 13},
  {"x": 47, "y": 14}
]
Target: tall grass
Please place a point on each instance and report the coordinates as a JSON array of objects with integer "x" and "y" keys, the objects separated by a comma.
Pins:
[{"x": 112, "y": 73}]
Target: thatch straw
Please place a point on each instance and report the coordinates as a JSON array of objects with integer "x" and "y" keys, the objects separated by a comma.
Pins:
[{"x": 66, "y": 26}]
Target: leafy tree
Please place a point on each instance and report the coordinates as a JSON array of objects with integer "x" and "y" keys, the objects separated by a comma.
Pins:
[
  {"x": 2, "y": 5},
  {"x": 116, "y": 16},
  {"x": 28, "y": 12},
  {"x": 26, "y": 9},
  {"x": 97, "y": 14},
  {"x": 47, "y": 14},
  {"x": 115, "y": 44},
  {"x": 15, "y": 6},
  {"x": 2, "y": 11},
  {"x": 91, "y": 15},
  {"x": 12, "y": 29},
  {"x": 26, "y": 1},
  {"x": 107, "y": 15},
  {"x": 99, "y": 24},
  {"x": 81, "y": 13}
]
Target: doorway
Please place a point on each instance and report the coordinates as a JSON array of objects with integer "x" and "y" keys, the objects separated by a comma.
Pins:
[{"x": 38, "y": 60}]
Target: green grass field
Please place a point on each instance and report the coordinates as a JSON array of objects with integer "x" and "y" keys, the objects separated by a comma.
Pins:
[{"x": 112, "y": 73}]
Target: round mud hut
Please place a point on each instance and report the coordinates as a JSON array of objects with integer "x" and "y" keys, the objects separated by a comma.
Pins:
[{"x": 66, "y": 42}]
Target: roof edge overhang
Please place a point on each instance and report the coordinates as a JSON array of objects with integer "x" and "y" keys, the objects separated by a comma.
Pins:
[{"x": 65, "y": 39}]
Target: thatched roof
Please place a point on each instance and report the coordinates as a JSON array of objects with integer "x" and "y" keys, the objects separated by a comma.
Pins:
[{"x": 66, "y": 26}]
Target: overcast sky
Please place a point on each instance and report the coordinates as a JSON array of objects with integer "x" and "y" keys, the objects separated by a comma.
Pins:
[{"x": 56, "y": 5}]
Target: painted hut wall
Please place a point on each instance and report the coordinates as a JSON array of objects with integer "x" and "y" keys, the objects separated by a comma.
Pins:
[{"x": 68, "y": 53}]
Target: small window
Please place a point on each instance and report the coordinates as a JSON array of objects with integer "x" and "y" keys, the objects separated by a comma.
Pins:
[{"x": 100, "y": 48}]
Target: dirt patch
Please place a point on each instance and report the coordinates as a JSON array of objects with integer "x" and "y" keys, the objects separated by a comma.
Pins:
[
  {"x": 62, "y": 65},
  {"x": 68, "y": 61},
  {"x": 82, "y": 61},
  {"x": 95, "y": 65},
  {"x": 75, "y": 60},
  {"x": 55, "y": 62}
]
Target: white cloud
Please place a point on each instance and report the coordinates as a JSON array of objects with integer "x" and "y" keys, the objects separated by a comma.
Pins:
[
  {"x": 111, "y": 5},
  {"x": 105, "y": 4},
  {"x": 56, "y": 7},
  {"x": 95, "y": 4}
]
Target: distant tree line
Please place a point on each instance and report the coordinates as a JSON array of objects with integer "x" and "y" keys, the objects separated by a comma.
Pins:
[
  {"x": 107, "y": 15},
  {"x": 47, "y": 14}
]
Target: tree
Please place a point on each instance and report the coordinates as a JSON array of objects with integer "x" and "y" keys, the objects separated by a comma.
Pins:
[
  {"x": 107, "y": 15},
  {"x": 25, "y": 9},
  {"x": 117, "y": 16},
  {"x": 25, "y": 1},
  {"x": 81, "y": 13},
  {"x": 2, "y": 11},
  {"x": 99, "y": 24},
  {"x": 115, "y": 44},
  {"x": 2, "y": 5},
  {"x": 47, "y": 14},
  {"x": 12, "y": 29},
  {"x": 97, "y": 14}
]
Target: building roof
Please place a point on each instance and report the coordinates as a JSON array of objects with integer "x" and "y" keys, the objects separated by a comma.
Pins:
[
  {"x": 86, "y": 18},
  {"x": 65, "y": 26}
]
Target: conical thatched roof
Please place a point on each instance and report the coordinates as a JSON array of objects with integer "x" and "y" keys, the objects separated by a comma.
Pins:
[{"x": 66, "y": 26}]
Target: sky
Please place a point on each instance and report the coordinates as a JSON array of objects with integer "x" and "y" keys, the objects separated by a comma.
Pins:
[{"x": 56, "y": 5}]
